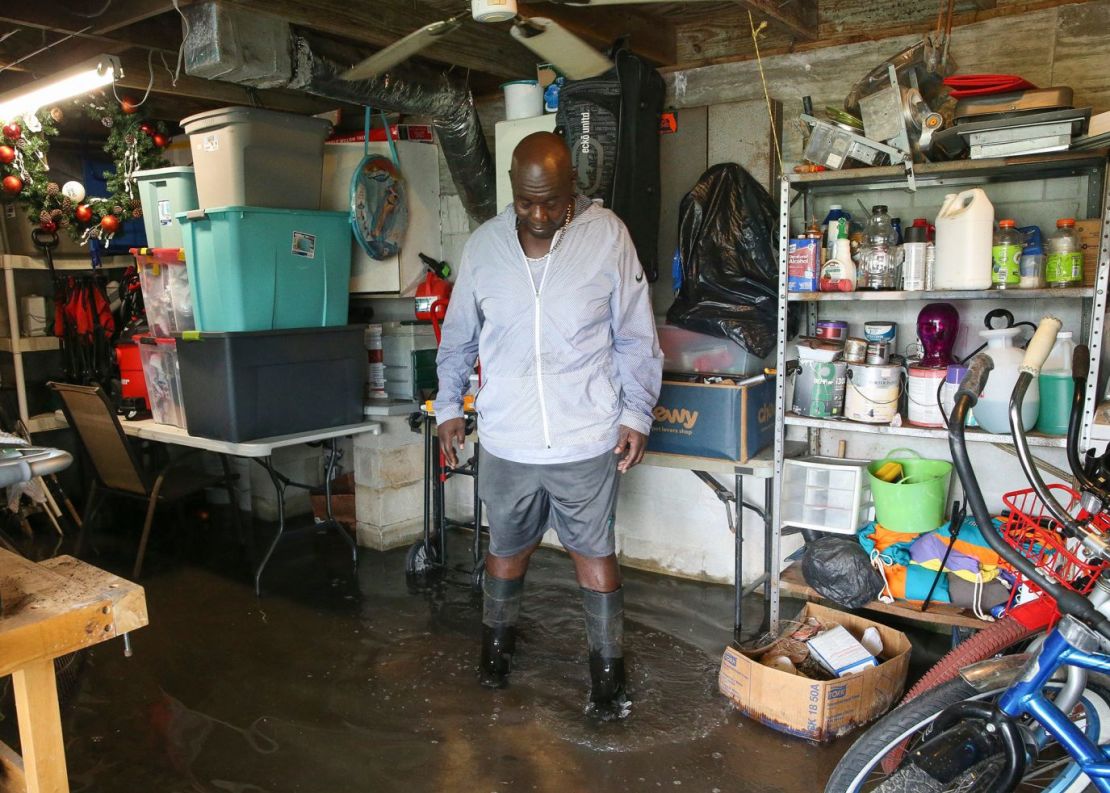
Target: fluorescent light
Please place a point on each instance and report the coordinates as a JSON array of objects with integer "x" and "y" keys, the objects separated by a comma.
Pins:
[{"x": 88, "y": 76}]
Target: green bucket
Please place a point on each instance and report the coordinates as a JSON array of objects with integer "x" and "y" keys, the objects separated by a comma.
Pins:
[{"x": 917, "y": 503}]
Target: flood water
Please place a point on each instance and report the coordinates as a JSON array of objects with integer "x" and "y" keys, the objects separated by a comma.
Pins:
[{"x": 326, "y": 685}]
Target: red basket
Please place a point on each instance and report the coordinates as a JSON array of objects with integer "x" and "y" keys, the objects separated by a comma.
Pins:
[{"x": 1032, "y": 531}]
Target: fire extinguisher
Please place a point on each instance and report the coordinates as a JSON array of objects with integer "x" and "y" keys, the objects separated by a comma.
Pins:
[{"x": 433, "y": 293}]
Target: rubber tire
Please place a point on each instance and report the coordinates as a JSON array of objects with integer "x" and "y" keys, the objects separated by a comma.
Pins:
[
  {"x": 416, "y": 560},
  {"x": 883, "y": 732},
  {"x": 997, "y": 638}
]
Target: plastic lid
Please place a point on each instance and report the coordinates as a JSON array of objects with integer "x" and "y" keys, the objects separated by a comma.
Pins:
[
  {"x": 920, "y": 223},
  {"x": 1065, "y": 222},
  {"x": 916, "y": 233},
  {"x": 1006, "y": 224}
]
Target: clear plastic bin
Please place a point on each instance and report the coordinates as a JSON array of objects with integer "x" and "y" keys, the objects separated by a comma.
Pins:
[
  {"x": 826, "y": 494},
  {"x": 687, "y": 351},
  {"x": 163, "y": 380},
  {"x": 166, "y": 293}
]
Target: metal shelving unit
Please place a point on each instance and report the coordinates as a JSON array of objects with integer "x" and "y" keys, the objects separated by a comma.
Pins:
[{"x": 804, "y": 188}]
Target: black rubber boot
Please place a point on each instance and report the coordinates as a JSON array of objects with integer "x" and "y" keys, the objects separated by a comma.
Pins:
[
  {"x": 605, "y": 634},
  {"x": 500, "y": 608}
]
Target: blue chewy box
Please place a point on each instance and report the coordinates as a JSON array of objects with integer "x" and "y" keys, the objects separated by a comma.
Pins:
[
  {"x": 254, "y": 268},
  {"x": 724, "y": 422}
]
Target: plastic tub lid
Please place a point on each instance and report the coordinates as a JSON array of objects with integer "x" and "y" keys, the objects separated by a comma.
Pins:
[
  {"x": 200, "y": 335},
  {"x": 171, "y": 170},
  {"x": 307, "y": 214},
  {"x": 163, "y": 255},
  {"x": 157, "y": 340},
  {"x": 239, "y": 115}
]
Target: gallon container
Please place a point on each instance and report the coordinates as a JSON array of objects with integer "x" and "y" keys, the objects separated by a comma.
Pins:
[
  {"x": 965, "y": 226},
  {"x": 246, "y": 156},
  {"x": 164, "y": 192},
  {"x": 264, "y": 269},
  {"x": 819, "y": 388},
  {"x": 872, "y": 393},
  {"x": 245, "y": 386},
  {"x": 992, "y": 409},
  {"x": 1056, "y": 387}
]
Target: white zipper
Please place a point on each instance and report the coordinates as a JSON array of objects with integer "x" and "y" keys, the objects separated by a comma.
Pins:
[{"x": 538, "y": 290}]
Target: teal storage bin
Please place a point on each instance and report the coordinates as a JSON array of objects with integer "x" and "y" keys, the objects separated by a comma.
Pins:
[
  {"x": 165, "y": 193},
  {"x": 253, "y": 268}
]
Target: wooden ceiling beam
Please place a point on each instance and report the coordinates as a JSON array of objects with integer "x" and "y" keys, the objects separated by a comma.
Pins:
[
  {"x": 653, "y": 37},
  {"x": 797, "y": 17},
  {"x": 71, "y": 16},
  {"x": 475, "y": 46}
]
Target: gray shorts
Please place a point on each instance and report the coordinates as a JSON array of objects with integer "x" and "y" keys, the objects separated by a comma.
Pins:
[{"x": 523, "y": 501}]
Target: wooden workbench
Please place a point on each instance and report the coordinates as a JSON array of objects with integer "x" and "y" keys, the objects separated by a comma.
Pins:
[{"x": 48, "y": 610}]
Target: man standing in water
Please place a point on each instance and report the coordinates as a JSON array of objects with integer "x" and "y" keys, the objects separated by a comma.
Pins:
[{"x": 552, "y": 298}]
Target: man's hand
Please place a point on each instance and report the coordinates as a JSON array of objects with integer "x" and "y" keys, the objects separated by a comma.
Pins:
[
  {"x": 452, "y": 435},
  {"x": 631, "y": 446}
]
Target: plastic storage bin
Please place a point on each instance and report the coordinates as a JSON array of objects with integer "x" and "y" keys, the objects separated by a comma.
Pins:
[
  {"x": 166, "y": 295},
  {"x": 164, "y": 192},
  {"x": 261, "y": 158},
  {"x": 245, "y": 386},
  {"x": 267, "y": 269},
  {"x": 163, "y": 380},
  {"x": 687, "y": 351},
  {"x": 826, "y": 494}
]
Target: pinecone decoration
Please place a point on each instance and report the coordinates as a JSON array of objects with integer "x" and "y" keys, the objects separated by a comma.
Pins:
[
  {"x": 44, "y": 217},
  {"x": 22, "y": 144},
  {"x": 117, "y": 210},
  {"x": 135, "y": 203},
  {"x": 129, "y": 140},
  {"x": 63, "y": 222},
  {"x": 107, "y": 121},
  {"x": 67, "y": 204},
  {"x": 55, "y": 215},
  {"x": 52, "y": 189},
  {"x": 57, "y": 114},
  {"x": 136, "y": 213}
]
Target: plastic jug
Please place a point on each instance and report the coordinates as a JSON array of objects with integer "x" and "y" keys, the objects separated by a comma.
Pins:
[
  {"x": 1056, "y": 387},
  {"x": 992, "y": 411},
  {"x": 965, "y": 227}
]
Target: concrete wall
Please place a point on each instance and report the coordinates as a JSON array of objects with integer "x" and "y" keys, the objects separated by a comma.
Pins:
[{"x": 667, "y": 519}]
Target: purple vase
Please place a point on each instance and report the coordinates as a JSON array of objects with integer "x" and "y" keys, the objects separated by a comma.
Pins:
[{"x": 938, "y": 324}]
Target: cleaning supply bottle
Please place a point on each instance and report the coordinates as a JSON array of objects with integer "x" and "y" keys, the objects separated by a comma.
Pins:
[
  {"x": 1056, "y": 387},
  {"x": 831, "y": 229},
  {"x": 1006, "y": 255},
  {"x": 992, "y": 409},
  {"x": 839, "y": 273},
  {"x": 963, "y": 241},
  {"x": 1032, "y": 259},
  {"x": 1064, "y": 266}
]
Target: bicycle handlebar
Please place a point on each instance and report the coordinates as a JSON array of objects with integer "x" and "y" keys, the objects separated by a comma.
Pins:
[
  {"x": 1040, "y": 345},
  {"x": 976, "y": 378}
]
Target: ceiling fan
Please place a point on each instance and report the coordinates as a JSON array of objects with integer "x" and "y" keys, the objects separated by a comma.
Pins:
[{"x": 547, "y": 38}]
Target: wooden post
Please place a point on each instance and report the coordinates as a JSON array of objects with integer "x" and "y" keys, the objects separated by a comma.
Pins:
[{"x": 40, "y": 727}]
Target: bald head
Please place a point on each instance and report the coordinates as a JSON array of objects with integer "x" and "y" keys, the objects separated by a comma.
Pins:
[{"x": 542, "y": 177}]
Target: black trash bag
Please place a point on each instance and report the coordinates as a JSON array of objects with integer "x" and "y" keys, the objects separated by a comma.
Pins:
[
  {"x": 839, "y": 569},
  {"x": 727, "y": 241}
]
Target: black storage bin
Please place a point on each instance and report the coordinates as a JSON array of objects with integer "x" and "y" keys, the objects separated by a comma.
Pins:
[{"x": 258, "y": 384}]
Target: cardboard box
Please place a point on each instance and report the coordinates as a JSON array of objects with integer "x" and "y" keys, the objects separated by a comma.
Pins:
[
  {"x": 722, "y": 422},
  {"x": 1090, "y": 232},
  {"x": 803, "y": 265},
  {"x": 819, "y": 710}
]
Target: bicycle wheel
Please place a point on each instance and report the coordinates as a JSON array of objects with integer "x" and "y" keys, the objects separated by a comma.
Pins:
[{"x": 861, "y": 768}]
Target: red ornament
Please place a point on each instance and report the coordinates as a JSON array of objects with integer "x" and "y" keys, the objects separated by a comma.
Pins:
[
  {"x": 147, "y": 127},
  {"x": 12, "y": 184},
  {"x": 127, "y": 105},
  {"x": 110, "y": 223},
  {"x": 48, "y": 225},
  {"x": 160, "y": 140},
  {"x": 7, "y": 154},
  {"x": 84, "y": 213},
  {"x": 12, "y": 131}
]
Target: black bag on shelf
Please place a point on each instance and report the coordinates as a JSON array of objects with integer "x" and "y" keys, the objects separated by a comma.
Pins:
[
  {"x": 727, "y": 241},
  {"x": 839, "y": 569}
]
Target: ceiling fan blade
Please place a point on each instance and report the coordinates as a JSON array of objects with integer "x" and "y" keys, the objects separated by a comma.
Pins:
[
  {"x": 557, "y": 45},
  {"x": 402, "y": 49}
]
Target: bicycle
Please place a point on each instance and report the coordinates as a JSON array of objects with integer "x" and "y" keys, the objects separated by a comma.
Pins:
[{"x": 1008, "y": 721}]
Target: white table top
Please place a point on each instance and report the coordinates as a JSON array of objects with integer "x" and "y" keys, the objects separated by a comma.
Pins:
[{"x": 147, "y": 429}]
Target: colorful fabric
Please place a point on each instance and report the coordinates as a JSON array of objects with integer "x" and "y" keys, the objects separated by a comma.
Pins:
[
  {"x": 890, "y": 553},
  {"x": 971, "y": 558}
]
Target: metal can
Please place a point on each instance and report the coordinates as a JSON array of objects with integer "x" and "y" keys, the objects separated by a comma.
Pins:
[
  {"x": 832, "y": 329},
  {"x": 878, "y": 353},
  {"x": 855, "y": 350},
  {"x": 878, "y": 330}
]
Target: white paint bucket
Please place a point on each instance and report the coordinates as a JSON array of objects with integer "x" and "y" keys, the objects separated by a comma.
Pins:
[
  {"x": 523, "y": 99},
  {"x": 872, "y": 393},
  {"x": 922, "y": 407}
]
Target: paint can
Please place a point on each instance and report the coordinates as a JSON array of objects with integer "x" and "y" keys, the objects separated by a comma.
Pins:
[
  {"x": 872, "y": 393},
  {"x": 954, "y": 376},
  {"x": 922, "y": 408},
  {"x": 855, "y": 350},
  {"x": 878, "y": 353},
  {"x": 880, "y": 330},
  {"x": 832, "y": 329},
  {"x": 819, "y": 388}
]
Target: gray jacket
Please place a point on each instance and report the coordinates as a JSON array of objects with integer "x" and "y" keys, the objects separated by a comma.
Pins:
[{"x": 565, "y": 360}]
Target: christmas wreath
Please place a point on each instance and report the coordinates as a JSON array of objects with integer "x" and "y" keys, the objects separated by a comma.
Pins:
[{"x": 133, "y": 145}]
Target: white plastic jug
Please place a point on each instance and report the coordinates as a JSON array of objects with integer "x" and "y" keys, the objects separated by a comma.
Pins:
[
  {"x": 992, "y": 411},
  {"x": 965, "y": 225}
]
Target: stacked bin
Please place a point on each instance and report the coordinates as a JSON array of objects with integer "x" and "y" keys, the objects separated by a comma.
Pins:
[{"x": 269, "y": 277}]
